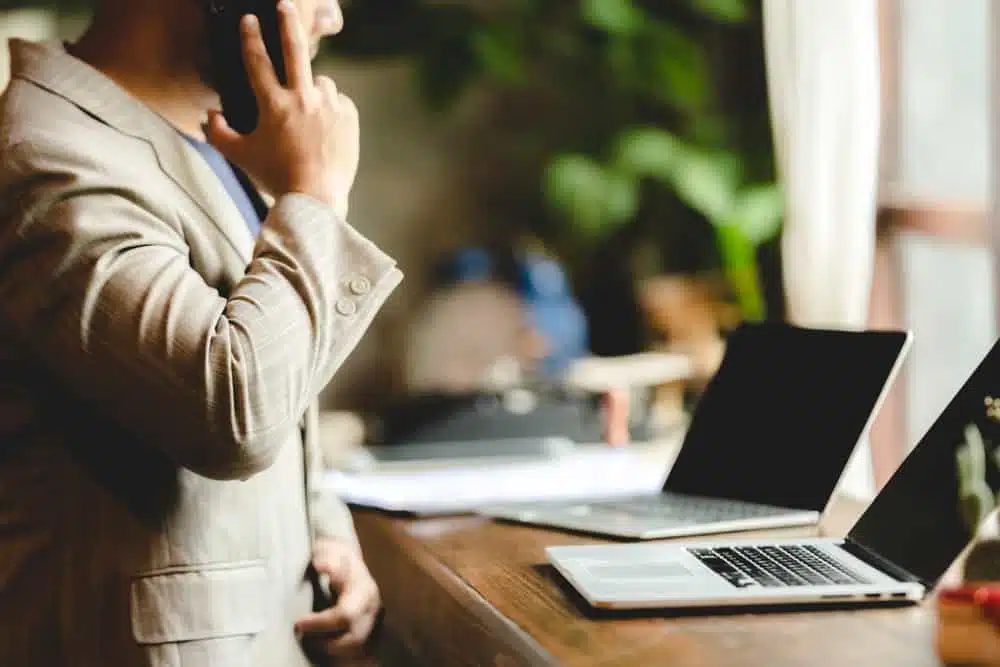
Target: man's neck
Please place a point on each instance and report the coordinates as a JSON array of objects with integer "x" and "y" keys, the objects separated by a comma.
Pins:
[{"x": 146, "y": 64}]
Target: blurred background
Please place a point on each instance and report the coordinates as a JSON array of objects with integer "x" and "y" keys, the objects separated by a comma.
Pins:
[{"x": 563, "y": 179}]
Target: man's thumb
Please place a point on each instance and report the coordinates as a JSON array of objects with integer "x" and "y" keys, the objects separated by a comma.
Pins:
[
  {"x": 225, "y": 139},
  {"x": 333, "y": 566}
]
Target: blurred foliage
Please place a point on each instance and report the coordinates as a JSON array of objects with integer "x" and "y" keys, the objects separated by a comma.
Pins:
[
  {"x": 648, "y": 76},
  {"x": 643, "y": 139}
]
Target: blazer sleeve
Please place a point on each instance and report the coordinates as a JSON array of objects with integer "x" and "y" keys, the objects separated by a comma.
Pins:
[{"x": 101, "y": 289}]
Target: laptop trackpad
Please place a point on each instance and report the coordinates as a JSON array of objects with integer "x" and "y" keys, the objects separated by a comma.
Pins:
[
  {"x": 657, "y": 570},
  {"x": 645, "y": 578}
]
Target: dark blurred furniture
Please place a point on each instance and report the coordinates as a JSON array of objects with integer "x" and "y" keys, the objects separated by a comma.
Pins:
[{"x": 485, "y": 416}]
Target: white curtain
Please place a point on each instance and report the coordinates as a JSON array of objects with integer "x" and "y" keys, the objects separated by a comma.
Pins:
[
  {"x": 993, "y": 37},
  {"x": 823, "y": 79}
]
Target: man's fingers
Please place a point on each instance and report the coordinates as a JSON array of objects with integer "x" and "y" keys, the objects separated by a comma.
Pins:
[
  {"x": 356, "y": 612},
  {"x": 335, "y": 566},
  {"x": 353, "y": 606},
  {"x": 341, "y": 102},
  {"x": 260, "y": 69},
  {"x": 329, "y": 90},
  {"x": 327, "y": 87},
  {"x": 324, "y": 622},
  {"x": 353, "y": 641},
  {"x": 224, "y": 138},
  {"x": 295, "y": 47}
]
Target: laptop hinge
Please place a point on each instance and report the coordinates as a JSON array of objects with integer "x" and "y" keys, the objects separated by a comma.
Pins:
[{"x": 869, "y": 557}]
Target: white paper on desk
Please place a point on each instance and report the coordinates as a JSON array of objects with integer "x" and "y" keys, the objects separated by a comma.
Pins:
[{"x": 601, "y": 474}]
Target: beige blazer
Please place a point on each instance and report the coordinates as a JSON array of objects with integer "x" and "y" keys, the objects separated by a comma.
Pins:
[{"x": 158, "y": 377}]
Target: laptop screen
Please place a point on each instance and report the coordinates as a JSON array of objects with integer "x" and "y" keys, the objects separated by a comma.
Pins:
[
  {"x": 928, "y": 511},
  {"x": 782, "y": 415}
]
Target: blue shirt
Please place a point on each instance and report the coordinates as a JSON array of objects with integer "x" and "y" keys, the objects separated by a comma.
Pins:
[{"x": 236, "y": 183}]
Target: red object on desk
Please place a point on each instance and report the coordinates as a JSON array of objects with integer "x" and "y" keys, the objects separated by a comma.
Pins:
[
  {"x": 985, "y": 596},
  {"x": 968, "y": 624}
]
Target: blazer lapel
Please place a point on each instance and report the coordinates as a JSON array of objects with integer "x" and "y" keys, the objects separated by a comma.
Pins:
[
  {"x": 49, "y": 65},
  {"x": 190, "y": 172}
]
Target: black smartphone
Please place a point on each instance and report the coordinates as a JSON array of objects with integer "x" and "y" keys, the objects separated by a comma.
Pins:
[{"x": 229, "y": 73}]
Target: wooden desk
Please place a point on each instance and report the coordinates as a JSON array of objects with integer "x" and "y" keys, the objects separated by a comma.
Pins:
[{"x": 467, "y": 591}]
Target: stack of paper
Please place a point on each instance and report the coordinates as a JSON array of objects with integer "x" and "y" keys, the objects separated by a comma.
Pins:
[{"x": 603, "y": 473}]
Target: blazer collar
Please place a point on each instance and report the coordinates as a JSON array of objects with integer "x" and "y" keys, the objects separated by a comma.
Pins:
[{"x": 48, "y": 65}]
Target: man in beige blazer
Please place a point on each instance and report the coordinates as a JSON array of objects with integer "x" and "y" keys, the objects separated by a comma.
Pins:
[{"x": 159, "y": 366}]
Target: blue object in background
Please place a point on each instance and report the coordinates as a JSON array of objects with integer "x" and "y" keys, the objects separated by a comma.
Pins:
[
  {"x": 470, "y": 264},
  {"x": 549, "y": 305},
  {"x": 552, "y": 311}
]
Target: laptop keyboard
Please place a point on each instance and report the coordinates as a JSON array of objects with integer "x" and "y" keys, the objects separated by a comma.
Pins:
[
  {"x": 692, "y": 509},
  {"x": 776, "y": 566}
]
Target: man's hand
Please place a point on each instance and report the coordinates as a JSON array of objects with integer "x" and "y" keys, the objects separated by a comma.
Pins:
[
  {"x": 307, "y": 135},
  {"x": 343, "y": 629}
]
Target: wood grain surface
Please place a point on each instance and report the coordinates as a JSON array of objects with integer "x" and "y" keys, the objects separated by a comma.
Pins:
[{"x": 466, "y": 591}]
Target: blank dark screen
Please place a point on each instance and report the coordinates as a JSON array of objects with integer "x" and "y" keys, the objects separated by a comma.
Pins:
[
  {"x": 782, "y": 415},
  {"x": 916, "y": 521}
]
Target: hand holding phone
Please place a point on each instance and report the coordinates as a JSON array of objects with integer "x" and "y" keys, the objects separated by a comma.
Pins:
[
  {"x": 239, "y": 105},
  {"x": 304, "y": 136}
]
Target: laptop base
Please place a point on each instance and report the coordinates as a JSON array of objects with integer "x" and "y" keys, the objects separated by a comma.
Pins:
[
  {"x": 657, "y": 516},
  {"x": 663, "y": 575}
]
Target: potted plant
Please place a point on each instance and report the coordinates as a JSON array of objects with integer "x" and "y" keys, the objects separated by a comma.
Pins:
[{"x": 968, "y": 614}]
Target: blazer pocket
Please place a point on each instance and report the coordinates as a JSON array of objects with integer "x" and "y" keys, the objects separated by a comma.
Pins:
[{"x": 197, "y": 604}]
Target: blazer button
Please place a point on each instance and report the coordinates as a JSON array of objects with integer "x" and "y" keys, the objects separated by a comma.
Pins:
[
  {"x": 359, "y": 285},
  {"x": 346, "y": 307}
]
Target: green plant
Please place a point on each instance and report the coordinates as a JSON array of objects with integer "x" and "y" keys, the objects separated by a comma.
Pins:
[
  {"x": 630, "y": 98},
  {"x": 597, "y": 196},
  {"x": 976, "y": 497}
]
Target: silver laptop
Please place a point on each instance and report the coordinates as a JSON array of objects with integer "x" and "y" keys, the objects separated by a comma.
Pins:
[
  {"x": 897, "y": 551},
  {"x": 768, "y": 442}
]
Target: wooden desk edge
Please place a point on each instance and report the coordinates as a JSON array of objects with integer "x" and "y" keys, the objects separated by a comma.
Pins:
[
  {"x": 442, "y": 619},
  {"x": 412, "y": 579}
]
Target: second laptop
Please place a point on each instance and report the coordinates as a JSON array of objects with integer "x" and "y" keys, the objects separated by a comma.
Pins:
[{"x": 768, "y": 441}]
